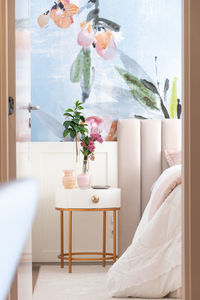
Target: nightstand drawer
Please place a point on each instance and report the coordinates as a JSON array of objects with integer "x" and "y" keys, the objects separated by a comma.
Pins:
[{"x": 90, "y": 198}]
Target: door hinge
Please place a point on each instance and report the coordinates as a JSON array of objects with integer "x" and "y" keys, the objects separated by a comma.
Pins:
[{"x": 11, "y": 105}]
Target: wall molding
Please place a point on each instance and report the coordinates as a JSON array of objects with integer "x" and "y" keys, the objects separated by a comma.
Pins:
[{"x": 48, "y": 159}]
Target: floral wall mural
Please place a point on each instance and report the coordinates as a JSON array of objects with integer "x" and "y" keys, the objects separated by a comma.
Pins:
[{"x": 121, "y": 59}]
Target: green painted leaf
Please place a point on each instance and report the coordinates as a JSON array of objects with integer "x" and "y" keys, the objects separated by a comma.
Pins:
[
  {"x": 138, "y": 90},
  {"x": 150, "y": 86},
  {"x": 140, "y": 117},
  {"x": 76, "y": 70},
  {"x": 166, "y": 88},
  {"x": 92, "y": 14},
  {"x": 133, "y": 67},
  {"x": 86, "y": 70},
  {"x": 110, "y": 24},
  {"x": 173, "y": 100}
]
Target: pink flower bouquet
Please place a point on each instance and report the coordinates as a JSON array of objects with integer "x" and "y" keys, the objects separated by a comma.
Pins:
[
  {"x": 87, "y": 149},
  {"x": 88, "y": 145}
]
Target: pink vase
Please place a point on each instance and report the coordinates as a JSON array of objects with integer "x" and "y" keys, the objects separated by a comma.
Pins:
[
  {"x": 68, "y": 179},
  {"x": 83, "y": 181}
]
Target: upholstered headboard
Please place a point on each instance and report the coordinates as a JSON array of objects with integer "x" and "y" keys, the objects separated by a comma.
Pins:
[{"x": 141, "y": 145}]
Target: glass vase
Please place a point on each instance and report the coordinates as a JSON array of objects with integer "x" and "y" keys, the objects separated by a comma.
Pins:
[{"x": 85, "y": 169}]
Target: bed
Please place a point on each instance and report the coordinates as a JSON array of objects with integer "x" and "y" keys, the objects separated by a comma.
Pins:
[{"x": 151, "y": 196}]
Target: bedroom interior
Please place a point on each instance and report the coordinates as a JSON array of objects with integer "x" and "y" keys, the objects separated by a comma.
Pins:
[{"x": 109, "y": 212}]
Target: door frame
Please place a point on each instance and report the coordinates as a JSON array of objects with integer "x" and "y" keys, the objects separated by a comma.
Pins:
[
  {"x": 4, "y": 159},
  {"x": 7, "y": 88},
  {"x": 191, "y": 166},
  {"x": 191, "y": 142}
]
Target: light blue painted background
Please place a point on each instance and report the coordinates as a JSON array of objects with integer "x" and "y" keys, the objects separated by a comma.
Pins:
[{"x": 148, "y": 28}]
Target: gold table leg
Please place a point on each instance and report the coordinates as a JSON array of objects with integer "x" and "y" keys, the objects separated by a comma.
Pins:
[
  {"x": 104, "y": 238},
  {"x": 61, "y": 240},
  {"x": 114, "y": 235},
  {"x": 70, "y": 241}
]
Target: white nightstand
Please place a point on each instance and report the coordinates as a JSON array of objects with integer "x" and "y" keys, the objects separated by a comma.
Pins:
[{"x": 87, "y": 200}]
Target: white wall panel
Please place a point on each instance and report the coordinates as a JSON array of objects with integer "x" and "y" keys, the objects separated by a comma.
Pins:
[
  {"x": 150, "y": 157},
  {"x": 141, "y": 146},
  {"x": 129, "y": 180},
  {"x": 140, "y": 161},
  {"x": 171, "y": 138},
  {"x": 48, "y": 161}
]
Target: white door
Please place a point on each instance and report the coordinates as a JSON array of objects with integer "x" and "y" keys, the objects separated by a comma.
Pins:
[{"x": 23, "y": 128}]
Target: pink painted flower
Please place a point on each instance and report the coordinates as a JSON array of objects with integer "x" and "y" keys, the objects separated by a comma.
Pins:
[
  {"x": 95, "y": 124},
  {"x": 61, "y": 13},
  {"x": 92, "y": 157},
  {"x": 86, "y": 35},
  {"x": 105, "y": 45},
  {"x": 43, "y": 20}
]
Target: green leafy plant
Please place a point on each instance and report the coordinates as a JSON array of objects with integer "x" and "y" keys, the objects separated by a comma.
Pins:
[{"x": 75, "y": 123}]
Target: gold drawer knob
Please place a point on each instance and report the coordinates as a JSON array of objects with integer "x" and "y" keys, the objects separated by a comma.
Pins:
[{"x": 95, "y": 199}]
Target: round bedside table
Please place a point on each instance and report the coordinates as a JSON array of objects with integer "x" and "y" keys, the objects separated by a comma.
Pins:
[{"x": 73, "y": 200}]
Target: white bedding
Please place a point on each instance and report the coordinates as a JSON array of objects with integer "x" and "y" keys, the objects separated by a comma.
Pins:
[{"x": 151, "y": 266}]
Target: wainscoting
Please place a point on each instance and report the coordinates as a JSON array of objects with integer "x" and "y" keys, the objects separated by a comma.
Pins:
[{"x": 48, "y": 159}]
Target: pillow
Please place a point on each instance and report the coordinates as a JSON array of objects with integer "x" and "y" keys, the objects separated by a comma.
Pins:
[
  {"x": 173, "y": 157},
  {"x": 166, "y": 183}
]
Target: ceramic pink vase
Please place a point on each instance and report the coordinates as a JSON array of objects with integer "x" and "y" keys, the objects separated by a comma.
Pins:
[
  {"x": 68, "y": 179},
  {"x": 83, "y": 181}
]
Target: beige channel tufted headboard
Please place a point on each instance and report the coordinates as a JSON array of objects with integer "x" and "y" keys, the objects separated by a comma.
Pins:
[{"x": 141, "y": 145}]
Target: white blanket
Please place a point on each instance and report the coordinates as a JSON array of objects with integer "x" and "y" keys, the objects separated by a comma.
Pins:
[{"x": 151, "y": 266}]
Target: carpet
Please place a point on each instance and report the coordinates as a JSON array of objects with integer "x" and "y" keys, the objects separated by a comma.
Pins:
[{"x": 87, "y": 282}]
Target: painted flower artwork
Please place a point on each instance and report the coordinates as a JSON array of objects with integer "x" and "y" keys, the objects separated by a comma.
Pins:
[
  {"x": 61, "y": 13},
  {"x": 121, "y": 59}
]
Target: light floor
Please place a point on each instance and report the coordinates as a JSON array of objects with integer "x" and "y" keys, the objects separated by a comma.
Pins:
[{"x": 85, "y": 283}]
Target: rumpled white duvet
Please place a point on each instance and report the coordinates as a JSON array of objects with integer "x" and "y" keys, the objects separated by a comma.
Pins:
[{"x": 151, "y": 266}]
